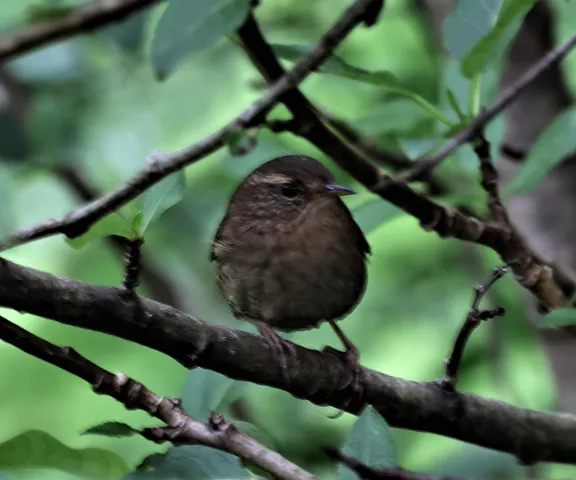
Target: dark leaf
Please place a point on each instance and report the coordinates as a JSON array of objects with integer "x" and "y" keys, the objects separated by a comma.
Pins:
[
  {"x": 190, "y": 462},
  {"x": 370, "y": 442},
  {"x": 14, "y": 142},
  {"x": 204, "y": 391},
  {"x": 129, "y": 34},
  {"x": 111, "y": 429},
  {"x": 189, "y": 26}
]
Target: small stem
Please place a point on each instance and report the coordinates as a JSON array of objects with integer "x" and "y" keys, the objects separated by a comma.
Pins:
[
  {"x": 473, "y": 319},
  {"x": 133, "y": 264}
]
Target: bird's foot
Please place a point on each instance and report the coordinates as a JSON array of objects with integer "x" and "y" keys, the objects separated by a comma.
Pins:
[
  {"x": 281, "y": 348},
  {"x": 350, "y": 359}
]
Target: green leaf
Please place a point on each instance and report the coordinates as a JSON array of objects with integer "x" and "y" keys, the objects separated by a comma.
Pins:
[
  {"x": 204, "y": 391},
  {"x": 559, "y": 317},
  {"x": 190, "y": 462},
  {"x": 36, "y": 449},
  {"x": 476, "y": 462},
  {"x": 374, "y": 213},
  {"x": 508, "y": 20},
  {"x": 165, "y": 194},
  {"x": 334, "y": 65},
  {"x": 112, "y": 224},
  {"x": 129, "y": 34},
  {"x": 551, "y": 147},
  {"x": 467, "y": 23},
  {"x": 189, "y": 26},
  {"x": 370, "y": 442},
  {"x": 111, "y": 429}
]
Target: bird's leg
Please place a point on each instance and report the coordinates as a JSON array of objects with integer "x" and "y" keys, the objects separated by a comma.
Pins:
[
  {"x": 351, "y": 359},
  {"x": 279, "y": 346}
]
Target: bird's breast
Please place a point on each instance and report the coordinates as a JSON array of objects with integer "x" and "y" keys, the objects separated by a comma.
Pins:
[{"x": 293, "y": 279}]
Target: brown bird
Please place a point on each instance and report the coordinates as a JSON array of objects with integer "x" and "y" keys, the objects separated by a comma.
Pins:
[{"x": 289, "y": 254}]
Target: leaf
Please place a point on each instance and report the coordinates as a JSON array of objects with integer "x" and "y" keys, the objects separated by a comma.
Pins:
[
  {"x": 467, "y": 23},
  {"x": 373, "y": 213},
  {"x": 369, "y": 441},
  {"x": 111, "y": 429},
  {"x": 112, "y": 224},
  {"x": 36, "y": 449},
  {"x": 551, "y": 147},
  {"x": 508, "y": 21},
  {"x": 477, "y": 462},
  {"x": 204, "y": 391},
  {"x": 190, "y": 462},
  {"x": 189, "y": 26},
  {"x": 559, "y": 318},
  {"x": 129, "y": 34},
  {"x": 165, "y": 194},
  {"x": 453, "y": 101},
  {"x": 334, "y": 65},
  {"x": 14, "y": 141}
]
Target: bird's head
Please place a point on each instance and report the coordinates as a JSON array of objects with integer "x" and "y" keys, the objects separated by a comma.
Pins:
[{"x": 284, "y": 187}]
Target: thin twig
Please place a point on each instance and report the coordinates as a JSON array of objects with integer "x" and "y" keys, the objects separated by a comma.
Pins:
[
  {"x": 366, "y": 472},
  {"x": 321, "y": 378},
  {"x": 84, "y": 19},
  {"x": 180, "y": 429},
  {"x": 473, "y": 319},
  {"x": 425, "y": 165},
  {"x": 160, "y": 165}
]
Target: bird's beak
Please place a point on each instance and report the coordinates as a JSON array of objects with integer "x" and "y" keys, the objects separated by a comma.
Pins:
[{"x": 338, "y": 190}]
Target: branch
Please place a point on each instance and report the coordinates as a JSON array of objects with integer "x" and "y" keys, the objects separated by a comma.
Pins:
[
  {"x": 473, "y": 319},
  {"x": 181, "y": 428},
  {"x": 160, "y": 165},
  {"x": 370, "y": 473},
  {"x": 85, "y": 19},
  {"x": 370, "y": 149},
  {"x": 532, "y": 272},
  {"x": 508, "y": 96},
  {"x": 321, "y": 378}
]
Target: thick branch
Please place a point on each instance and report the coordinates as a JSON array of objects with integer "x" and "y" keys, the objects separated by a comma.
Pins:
[
  {"x": 181, "y": 428},
  {"x": 78, "y": 221},
  {"x": 318, "y": 377},
  {"x": 85, "y": 19},
  {"x": 534, "y": 275}
]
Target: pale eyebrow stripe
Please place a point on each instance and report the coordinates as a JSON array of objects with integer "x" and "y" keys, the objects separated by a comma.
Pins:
[{"x": 270, "y": 178}]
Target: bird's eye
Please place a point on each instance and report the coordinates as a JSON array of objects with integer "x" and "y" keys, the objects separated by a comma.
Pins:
[{"x": 289, "y": 190}]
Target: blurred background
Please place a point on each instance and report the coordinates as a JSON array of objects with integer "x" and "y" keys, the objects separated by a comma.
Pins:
[{"x": 79, "y": 117}]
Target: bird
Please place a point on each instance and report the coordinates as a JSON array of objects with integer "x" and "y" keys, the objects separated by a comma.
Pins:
[{"x": 288, "y": 253}]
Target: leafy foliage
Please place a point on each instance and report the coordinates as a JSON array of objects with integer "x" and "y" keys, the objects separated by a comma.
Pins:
[
  {"x": 551, "y": 147},
  {"x": 189, "y": 26},
  {"x": 335, "y": 65},
  {"x": 204, "y": 391},
  {"x": 36, "y": 449},
  {"x": 370, "y": 442},
  {"x": 186, "y": 462},
  {"x": 559, "y": 318}
]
